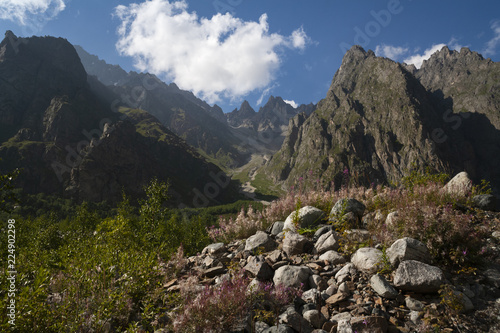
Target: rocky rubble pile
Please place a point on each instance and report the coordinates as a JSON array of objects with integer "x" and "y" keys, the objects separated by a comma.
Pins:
[{"x": 397, "y": 289}]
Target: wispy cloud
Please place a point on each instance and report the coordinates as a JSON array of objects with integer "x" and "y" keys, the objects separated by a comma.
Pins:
[
  {"x": 218, "y": 57},
  {"x": 31, "y": 13},
  {"x": 492, "y": 45}
]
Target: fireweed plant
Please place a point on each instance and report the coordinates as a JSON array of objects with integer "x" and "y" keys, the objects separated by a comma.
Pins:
[{"x": 94, "y": 273}]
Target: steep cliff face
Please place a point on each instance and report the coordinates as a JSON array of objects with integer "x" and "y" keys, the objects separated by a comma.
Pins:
[
  {"x": 378, "y": 121},
  {"x": 465, "y": 81},
  {"x": 202, "y": 126},
  {"x": 70, "y": 141}
]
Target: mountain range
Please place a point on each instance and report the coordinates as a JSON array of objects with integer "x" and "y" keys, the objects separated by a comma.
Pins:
[
  {"x": 84, "y": 129},
  {"x": 380, "y": 119}
]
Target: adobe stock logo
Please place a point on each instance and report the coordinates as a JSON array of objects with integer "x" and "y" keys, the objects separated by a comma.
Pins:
[{"x": 373, "y": 28}]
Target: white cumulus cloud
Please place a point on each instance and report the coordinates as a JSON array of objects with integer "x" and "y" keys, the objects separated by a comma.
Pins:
[
  {"x": 30, "y": 13},
  {"x": 218, "y": 57},
  {"x": 492, "y": 44},
  {"x": 292, "y": 103},
  {"x": 391, "y": 52}
]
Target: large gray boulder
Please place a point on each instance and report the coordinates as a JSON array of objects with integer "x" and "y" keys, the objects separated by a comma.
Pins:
[
  {"x": 260, "y": 241},
  {"x": 408, "y": 249},
  {"x": 416, "y": 276},
  {"x": 305, "y": 217},
  {"x": 292, "y": 276},
  {"x": 460, "y": 184},
  {"x": 294, "y": 243},
  {"x": 367, "y": 259},
  {"x": 327, "y": 242}
]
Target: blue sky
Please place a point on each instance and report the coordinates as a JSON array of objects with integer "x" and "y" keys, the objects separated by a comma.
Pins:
[{"x": 226, "y": 51}]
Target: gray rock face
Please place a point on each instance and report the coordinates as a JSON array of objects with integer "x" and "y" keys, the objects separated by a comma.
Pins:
[
  {"x": 460, "y": 184},
  {"x": 306, "y": 217},
  {"x": 367, "y": 259},
  {"x": 333, "y": 257},
  {"x": 408, "y": 249},
  {"x": 292, "y": 276},
  {"x": 486, "y": 202},
  {"x": 260, "y": 240},
  {"x": 327, "y": 242},
  {"x": 294, "y": 243},
  {"x": 383, "y": 287},
  {"x": 416, "y": 276}
]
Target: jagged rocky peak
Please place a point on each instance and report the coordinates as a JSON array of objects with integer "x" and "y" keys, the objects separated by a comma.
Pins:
[
  {"x": 464, "y": 81},
  {"x": 242, "y": 116},
  {"x": 447, "y": 57},
  {"x": 378, "y": 120},
  {"x": 53, "y": 57}
]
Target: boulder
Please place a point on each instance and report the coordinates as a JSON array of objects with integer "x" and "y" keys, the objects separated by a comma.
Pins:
[
  {"x": 344, "y": 327},
  {"x": 316, "y": 281},
  {"x": 292, "y": 276},
  {"x": 296, "y": 321},
  {"x": 279, "y": 329},
  {"x": 371, "y": 324},
  {"x": 323, "y": 230},
  {"x": 260, "y": 240},
  {"x": 348, "y": 270},
  {"x": 486, "y": 202},
  {"x": 327, "y": 242},
  {"x": 304, "y": 217},
  {"x": 416, "y": 276},
  {"x": 294, "y": 243},
  {"x": 214, "y": 249},
  {"x": 367, "y": 259},
  {"x": 314, "y": 318},
  {"x": 276, "y": 228},
  {"x": 333, "y": 257},
  {"x": 383, "y": 287},
  {"x": 392, "y": 219},
  {"x": 460, "y": 184},
  {"x": 414, "y": 304},
  {"x": 348, "y": 205},
  {"x": 408, "y": 249},
  {"x": 258, "y": 267}
]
